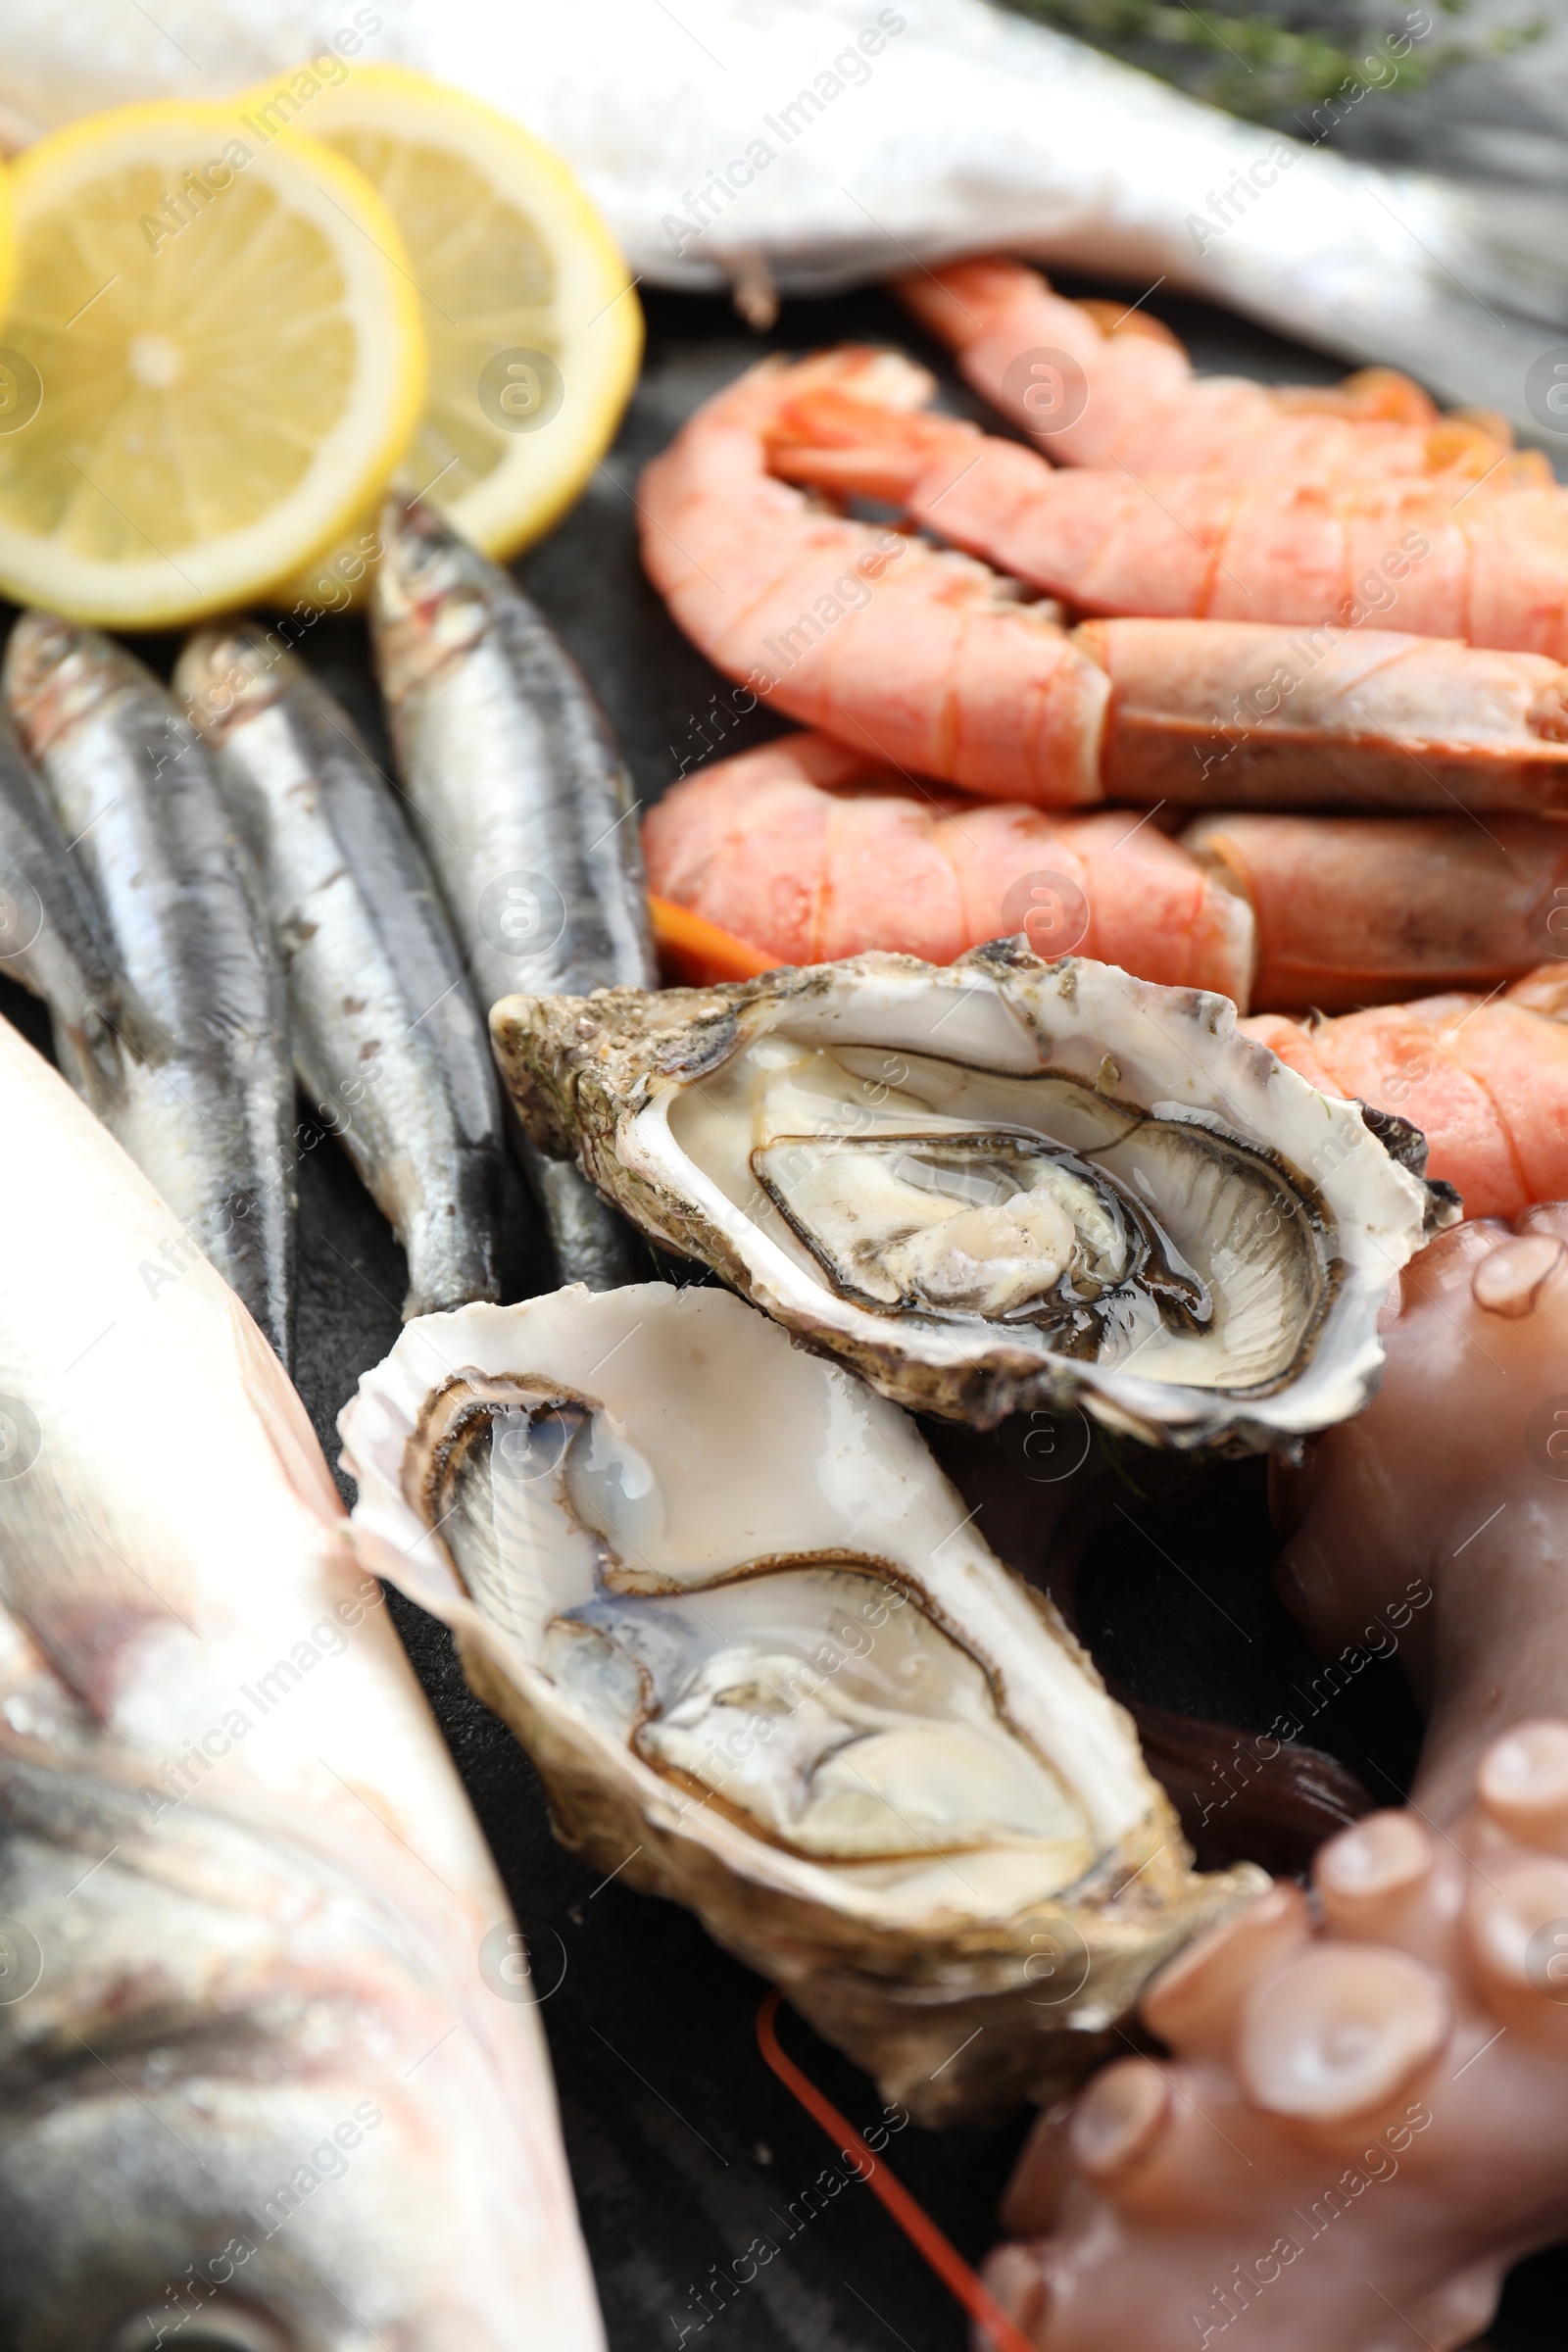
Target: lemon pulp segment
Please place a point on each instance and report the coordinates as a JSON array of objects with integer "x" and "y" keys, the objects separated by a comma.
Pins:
[
  {"x": 228, "y": 360},
  {"x": 534, "y": 331}
]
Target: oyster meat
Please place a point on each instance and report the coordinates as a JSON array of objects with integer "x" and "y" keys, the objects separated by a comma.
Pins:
[
  {"x": 998, "y": 1185},
  {"x": 767, "y": 1666}
]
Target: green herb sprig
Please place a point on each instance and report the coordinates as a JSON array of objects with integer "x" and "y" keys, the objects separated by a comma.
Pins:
[{"x": 1270, "y": 62}]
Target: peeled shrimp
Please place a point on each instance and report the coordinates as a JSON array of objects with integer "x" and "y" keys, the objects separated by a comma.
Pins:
[
  {"x": 810, "y": 852},
  {"x": 1127, "y": 394},
  {"x": 1439, "y": 559},
  {"x": 1486, "y": 1081},
  {"x": 927, "y": 661}
]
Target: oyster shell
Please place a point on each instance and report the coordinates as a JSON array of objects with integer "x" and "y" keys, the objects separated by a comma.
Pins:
[
  {"x": 766, "y": 1666},
  {"x": 997, "y": 1185}
]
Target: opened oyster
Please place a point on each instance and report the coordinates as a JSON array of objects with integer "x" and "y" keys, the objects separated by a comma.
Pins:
[
  {"x": 766, "y": 1666},
  {"x": 997, "y": 1185}
]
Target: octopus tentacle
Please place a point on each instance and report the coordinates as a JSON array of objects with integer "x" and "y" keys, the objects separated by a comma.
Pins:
[{"x": 1362, "y": 2120}]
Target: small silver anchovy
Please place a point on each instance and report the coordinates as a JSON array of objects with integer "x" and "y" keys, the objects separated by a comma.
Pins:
[
  {"x": 388, "y": 1042},
  {"x": 209, "y": 1117},
  {"x": 52, "y": 941},
  {"x": 522, "y": 802}
]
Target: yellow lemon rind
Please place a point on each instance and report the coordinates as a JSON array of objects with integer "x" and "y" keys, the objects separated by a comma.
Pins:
[
  {"x": 354, "y": 459},
  {"x": 539, "y": 476}
]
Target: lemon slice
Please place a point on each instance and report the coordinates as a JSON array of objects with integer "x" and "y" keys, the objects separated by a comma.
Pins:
[
  {"x": 8, "y": 278},
  {"x": 227, "y": 360},
  {"x": 535, "y": 333}
]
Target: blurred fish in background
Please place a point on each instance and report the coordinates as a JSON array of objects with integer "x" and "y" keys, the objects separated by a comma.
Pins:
[{"x": 800, "y": 146}]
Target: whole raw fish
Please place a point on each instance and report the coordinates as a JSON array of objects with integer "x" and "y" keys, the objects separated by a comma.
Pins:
[
  {"x": 211, "y": 1122},
  {"x": 387, "y": 1040},
  {"x": 522, "y": 802},
  {"x": 51, "y": 940},
  {"x": 806, "y": 145},
  {"x": 269, "y": 2075}
]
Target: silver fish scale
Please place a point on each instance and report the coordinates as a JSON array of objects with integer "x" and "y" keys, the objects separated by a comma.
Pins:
[
  {"x": 515, "y": 779},
  {"x": 214, "y": 1995},
  {"x": 387, "y": 1038},
  {"x": 574, "y": 811},
  {"x": 210, "y": 1119},
  {"x": 522, "y": 802},
  {"x": 52, "y": 941}
]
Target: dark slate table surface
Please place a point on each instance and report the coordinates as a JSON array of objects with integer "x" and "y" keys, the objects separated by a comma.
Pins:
[{"x": 684, "y": 2148}]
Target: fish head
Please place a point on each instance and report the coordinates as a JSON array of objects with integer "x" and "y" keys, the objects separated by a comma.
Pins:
[
  {"x": 432, "y": 596},
  {"x": 226, "y": 676},
  {"x": 240, "y": 2111},
  {"x": 60, "y": 676},
  {"x": 57, "y": 674}
]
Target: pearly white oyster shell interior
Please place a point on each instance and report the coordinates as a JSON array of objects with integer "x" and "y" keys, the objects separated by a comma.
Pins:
[
  {"x": 998, "y": 1185},
  {"x": 766, "y": 1664}
]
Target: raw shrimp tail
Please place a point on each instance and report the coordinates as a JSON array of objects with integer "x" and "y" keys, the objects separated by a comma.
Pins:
[{"x": 812, "y": 852}]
